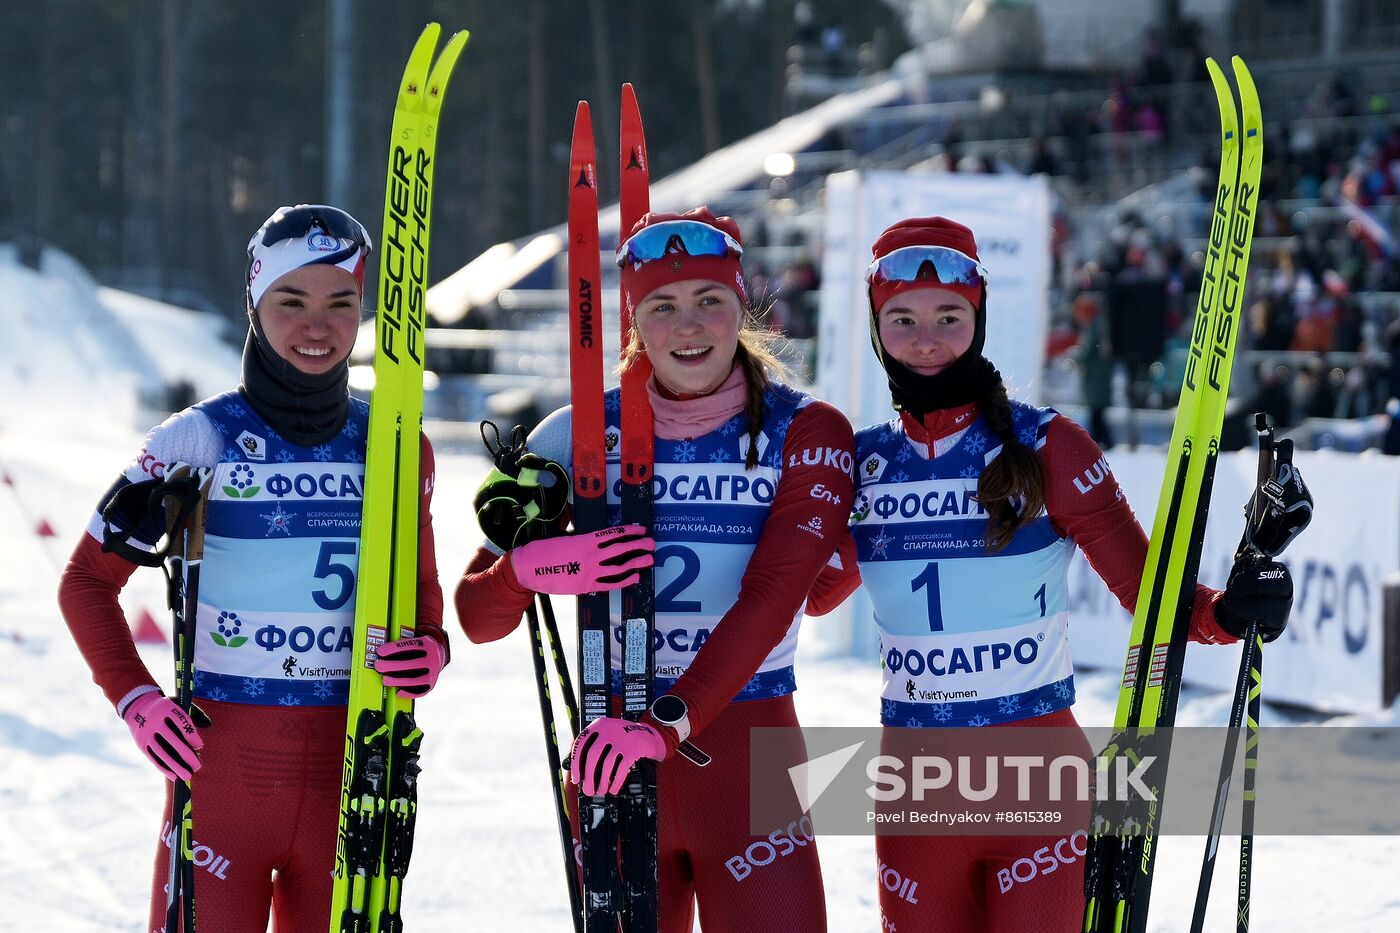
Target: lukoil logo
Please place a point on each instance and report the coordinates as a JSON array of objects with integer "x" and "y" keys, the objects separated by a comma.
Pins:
[
  {"x": 823, "y": 456},
  {"x": 900, "y": 885},
  {"x": 1093, "y": 476},
  {"x": 202, "y": 856}
]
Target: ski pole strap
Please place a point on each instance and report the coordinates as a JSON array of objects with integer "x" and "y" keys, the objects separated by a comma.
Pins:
[
  {"x": 524, "y": 497},
  {"x": 1280, "y": 508},
  {"x": 141, "y": 511}
]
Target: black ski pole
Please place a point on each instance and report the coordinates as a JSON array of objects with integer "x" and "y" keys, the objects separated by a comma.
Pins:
[
  {"x": 561, "y": 666},
  {"x": 169, "y": 512},
  {"x": 1251, "y": 769},
  {"x": 185, "y": 562},
  {"x": 556, "y": 771},
  {"x": 1246, "y": 693}
]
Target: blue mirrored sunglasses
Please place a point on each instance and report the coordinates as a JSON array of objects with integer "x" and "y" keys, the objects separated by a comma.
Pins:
[
  {"x": 295, "y": 222},
  {"x": 690, "y": 237},
  {"x": 942, "y": 265}
]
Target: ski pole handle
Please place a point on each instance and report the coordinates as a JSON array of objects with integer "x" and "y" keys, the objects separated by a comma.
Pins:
[{"x": 1254, "y": 509}]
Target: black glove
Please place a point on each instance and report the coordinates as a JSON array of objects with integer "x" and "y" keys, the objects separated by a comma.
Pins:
[
  {"x": 1280, "y": 508},
  {"x": 1259, "y": 590},
  {"x": 525, "y": 498}
]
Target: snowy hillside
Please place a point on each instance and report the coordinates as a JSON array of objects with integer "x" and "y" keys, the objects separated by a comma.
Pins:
[{"x": 79, "y": 806}]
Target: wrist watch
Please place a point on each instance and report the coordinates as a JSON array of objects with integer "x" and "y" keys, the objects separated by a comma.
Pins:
[{"x": 670, "y": 710}]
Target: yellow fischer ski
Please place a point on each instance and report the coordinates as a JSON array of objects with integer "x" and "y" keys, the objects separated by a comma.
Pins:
[
  {"x": 1118, "y": 873},
  {"x": 379, "y": 781}
]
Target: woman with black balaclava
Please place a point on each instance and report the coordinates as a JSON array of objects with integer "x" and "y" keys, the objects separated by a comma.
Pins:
[
  {"x": 287, "y": 448},
  {"x": 967, "y": 509}
]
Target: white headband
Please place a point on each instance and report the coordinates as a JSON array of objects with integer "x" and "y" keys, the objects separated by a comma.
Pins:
[{"x": 270, "y": 263}]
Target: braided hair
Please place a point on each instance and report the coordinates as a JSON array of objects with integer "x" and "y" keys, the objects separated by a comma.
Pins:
[{"x": 1015, "y": 474}]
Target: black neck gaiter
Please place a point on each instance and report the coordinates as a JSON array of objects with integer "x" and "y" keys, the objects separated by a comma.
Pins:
[
  {"x": 302, "y": 408},
  {"x": 969, "y": 379}
]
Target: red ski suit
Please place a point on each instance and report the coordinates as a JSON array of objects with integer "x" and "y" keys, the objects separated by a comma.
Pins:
[
  {"x": 266, "y": 797},
  {"x": 976, "y": 883},
  {"x": 741, "y": 881}
]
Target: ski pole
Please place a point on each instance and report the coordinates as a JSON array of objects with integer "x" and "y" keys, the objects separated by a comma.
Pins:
[
  {"x": 556, "y": 771},
  {"x": 1251, "y": 769},
  {"x": 1248, "y": 663},
  {"x": 561, "y": 666},
  {"x": 1246, "y": 693},
  {"x": 185, "y": 561}
]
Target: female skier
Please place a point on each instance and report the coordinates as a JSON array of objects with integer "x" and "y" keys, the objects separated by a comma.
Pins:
[
  {"x": 752, "y": 491},
  {"x": 277, "y": 594},
  {"x": 969, "y": 581}
]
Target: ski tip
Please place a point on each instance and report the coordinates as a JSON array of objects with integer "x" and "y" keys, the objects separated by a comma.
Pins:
[
  {"x": 455, "y": 43},
  {"x": 631, "y": 122},
  {"x": 415, "y": 72},
  {"x": 583, "y": 130},
  {"x": 429, "y": 35},
  {"x": 446, "y": 62},
  {"x": 1245, "y": 81},
  {"x": 1225, "y": 100},
  {"x": 581, "y": 152}
]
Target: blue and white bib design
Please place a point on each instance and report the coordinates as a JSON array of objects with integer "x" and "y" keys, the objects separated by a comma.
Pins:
[
  {"x": 281, "y": 554},
  {"x": 710, "y": 512},
  {"x": 966, "y": 637}
]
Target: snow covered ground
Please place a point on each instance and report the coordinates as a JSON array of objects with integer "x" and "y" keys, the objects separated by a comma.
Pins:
[{"x": 79, "y": 806}]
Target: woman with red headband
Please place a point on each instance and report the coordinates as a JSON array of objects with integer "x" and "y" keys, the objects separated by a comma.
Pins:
[
  {"x": 968, "y": 581},
  {"x": 277, "y": 594},
  {"x": 752, "y": 491}
]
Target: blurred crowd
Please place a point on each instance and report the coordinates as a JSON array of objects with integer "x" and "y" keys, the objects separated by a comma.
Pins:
[{"x": 1322, "y": 313}]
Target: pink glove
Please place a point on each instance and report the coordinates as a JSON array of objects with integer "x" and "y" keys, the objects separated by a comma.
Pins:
[
  {"x": 607, "y": 749},
  {"x": 411, "y": 664},
  {"x": 163, "y": 731},
  {"x": 570, "y": 565}
]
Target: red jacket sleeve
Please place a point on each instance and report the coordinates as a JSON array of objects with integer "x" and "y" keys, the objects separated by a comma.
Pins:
[
  {"x": 1085, "y": 502},
  {"x": 782, "y": 569},
  {"x": 840, "y": 577},
  {"x": 489, "y": 598},
  {"x": 429, "y": 590},
  {"x": 87, "y": 597}
]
